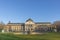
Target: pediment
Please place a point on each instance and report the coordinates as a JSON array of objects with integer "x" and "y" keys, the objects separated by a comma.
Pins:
[{"x": 29, "y": 22}]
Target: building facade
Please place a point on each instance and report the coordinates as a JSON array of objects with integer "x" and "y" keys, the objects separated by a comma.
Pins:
[{"x": 29, "y": 27}]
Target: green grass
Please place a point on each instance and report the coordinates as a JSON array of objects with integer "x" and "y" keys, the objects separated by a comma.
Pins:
[{"x": 47, "y": 36}]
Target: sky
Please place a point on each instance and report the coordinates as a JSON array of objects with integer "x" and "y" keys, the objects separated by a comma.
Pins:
[{"x": 37, "y": 10}]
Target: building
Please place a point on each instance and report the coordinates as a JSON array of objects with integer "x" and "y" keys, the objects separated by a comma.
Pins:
[{"x": 28, "y": 27}]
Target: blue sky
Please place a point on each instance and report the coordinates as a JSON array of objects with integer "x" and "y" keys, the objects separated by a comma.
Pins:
[{"x": 21, "y": 10}]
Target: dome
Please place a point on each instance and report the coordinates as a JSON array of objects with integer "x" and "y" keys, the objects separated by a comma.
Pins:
[{"x": 29, "y": 20}]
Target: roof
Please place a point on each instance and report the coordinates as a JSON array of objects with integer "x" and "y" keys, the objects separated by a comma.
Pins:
[
  {"x": 35, "y": 22},
  {"x": 56, "y": 23},
  {"x": 43, "y": 22},
  {"x": 15, "y": 23},
  {"x": 29, "y": 20}
]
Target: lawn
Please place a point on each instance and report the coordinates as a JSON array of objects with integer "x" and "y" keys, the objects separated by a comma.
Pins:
[{"x": 47, "y": 36}]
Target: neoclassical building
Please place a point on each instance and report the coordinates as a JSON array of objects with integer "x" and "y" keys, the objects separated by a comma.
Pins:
[{"x": 29, "y": 26}]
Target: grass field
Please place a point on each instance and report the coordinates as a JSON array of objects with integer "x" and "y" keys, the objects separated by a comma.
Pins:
[{"x": 47, "y": 36}]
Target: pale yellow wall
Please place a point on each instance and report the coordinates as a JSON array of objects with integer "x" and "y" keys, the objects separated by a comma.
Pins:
[
  {"x": 13, "y": 27},
  {"x": 30, "y": 23}
]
